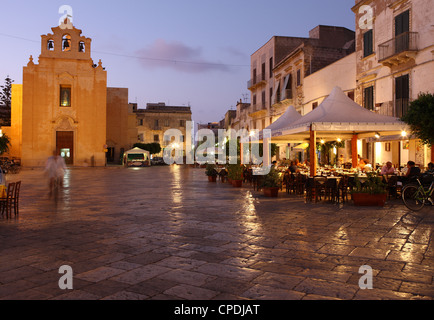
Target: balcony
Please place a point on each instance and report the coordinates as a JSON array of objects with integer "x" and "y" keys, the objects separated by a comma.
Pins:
[
  {"x": 258, "y": 109},
  {"x": 398, "y": 50},
  {"x": 256, "y": 81}
]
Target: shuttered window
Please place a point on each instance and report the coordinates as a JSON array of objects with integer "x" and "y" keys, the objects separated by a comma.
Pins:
[
  {"x": 368, "y": 98},
  {"x": 368, "y": 43},
  {"x": 402, "y": 95}
]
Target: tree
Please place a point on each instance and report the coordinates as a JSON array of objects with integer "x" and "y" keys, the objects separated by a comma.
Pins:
[
  {"x": 153, "y": 148},
  {"x": 4, "y": 144},
  {"x": 420, "y": 117},
  {"x": 5, "y": 101}
]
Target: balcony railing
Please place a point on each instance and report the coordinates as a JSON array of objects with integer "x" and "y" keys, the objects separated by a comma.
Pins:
[
  {"x": 257, "y": 79},
  {"x": 406, "y": 41}
]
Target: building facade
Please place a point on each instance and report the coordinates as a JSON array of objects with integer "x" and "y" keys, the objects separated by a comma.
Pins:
[
  {"x": 278, "y": 70},
  {"x": 395, "y": 63},
  {"x": 157, "y": 118}
]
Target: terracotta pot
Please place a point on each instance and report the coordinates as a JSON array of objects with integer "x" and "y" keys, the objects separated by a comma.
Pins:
[
  {"x": 366, "y": 199},
  {"x": 237, "y": 183},
  {"x": 212, "y": 178},
  {"x": 271, "y": 191}
]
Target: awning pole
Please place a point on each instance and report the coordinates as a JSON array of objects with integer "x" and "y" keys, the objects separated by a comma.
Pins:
[
  {"x": 354, "y": 153},
  {"x": 312, "y": 152}
]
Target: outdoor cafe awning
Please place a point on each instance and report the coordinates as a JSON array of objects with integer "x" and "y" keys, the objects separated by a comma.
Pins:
[
  {"x": 340, "y": 117},
  {"x": 301, "y": 147},
  {"x": 286, "y": 119}
]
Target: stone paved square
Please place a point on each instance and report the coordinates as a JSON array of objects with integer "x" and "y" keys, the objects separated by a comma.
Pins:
[{"x": 167, "y": 233}]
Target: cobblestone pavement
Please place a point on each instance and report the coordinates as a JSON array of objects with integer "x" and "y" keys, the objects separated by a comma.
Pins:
[{"x": 168, "y": 233}]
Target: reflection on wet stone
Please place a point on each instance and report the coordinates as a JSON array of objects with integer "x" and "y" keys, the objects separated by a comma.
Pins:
[{"x": 181, "y": 237}]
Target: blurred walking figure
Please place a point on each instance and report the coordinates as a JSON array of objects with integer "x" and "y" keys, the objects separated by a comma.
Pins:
[{"x": 55, "y": 168}]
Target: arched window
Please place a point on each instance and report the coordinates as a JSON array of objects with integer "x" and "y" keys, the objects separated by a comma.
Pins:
[
  {"x": 66, "y": 42},
  {"x": 50, "y": 45},
  {"x": 81, "y": 47}
]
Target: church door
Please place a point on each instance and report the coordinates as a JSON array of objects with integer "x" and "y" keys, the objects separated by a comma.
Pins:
[{"x": 65, "y": 145}]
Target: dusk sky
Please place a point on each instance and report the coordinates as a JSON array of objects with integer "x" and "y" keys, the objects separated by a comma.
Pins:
[{"x": 181, "y": 52}]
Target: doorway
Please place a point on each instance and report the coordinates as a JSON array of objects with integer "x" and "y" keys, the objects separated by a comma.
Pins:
[{"x": 65, "y": 146}]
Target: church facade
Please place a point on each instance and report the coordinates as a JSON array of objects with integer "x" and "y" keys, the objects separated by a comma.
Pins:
[{"x": 64, "y": 106}]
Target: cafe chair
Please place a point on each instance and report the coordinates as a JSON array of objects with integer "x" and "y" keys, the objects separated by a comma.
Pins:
[
  {"x": 343, "y": 188},
  {"x": 16, "y": 197},
  {"x": 319, "y": 187},
  {"x": 392, "y": 186},
  {"x": 331, "y": 190},
  {"x": 300, "y": 182},
  {"x": 6, "y": 203},
  {"x": 309, "y": 187}
]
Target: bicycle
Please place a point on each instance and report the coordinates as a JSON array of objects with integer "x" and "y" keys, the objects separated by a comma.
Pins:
[{"x": 415, "y": 196}]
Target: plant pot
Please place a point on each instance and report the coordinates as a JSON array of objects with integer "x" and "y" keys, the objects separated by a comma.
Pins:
[
  {"x": 237, "y": 183},
  {"x": 271, "y": 191},
  {"x": 366, "y": 199},
  {"x": 212, "y": 178}
]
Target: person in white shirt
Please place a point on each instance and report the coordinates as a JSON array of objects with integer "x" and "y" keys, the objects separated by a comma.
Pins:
[
  {"x": 387, "y": 169},
  {"x": 55, "y": 168}
]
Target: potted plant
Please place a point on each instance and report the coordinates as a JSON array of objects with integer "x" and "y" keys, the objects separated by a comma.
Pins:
[
  {"x": 271, "y": 183},
  {"x": 235, "y": 174},
  {"x": 372, "y": 192},
  {"x": 211, "y": 172}
]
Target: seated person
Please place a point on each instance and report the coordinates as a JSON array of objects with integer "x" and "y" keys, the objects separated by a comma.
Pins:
[
  {"x": 387, "y": 169},
  {"x": 293, "y": 167},
  {"x": 341, "y": 161},
  {"x": 364, "y": 165},
  {"x": 412, "y": 171},
  {"x": 430, "y": 168},
  {"x": 368, "y": 166}
]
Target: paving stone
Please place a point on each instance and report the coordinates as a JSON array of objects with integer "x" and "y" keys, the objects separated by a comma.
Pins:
[
  {"x": 140, "y": 274},
  {"x": 327, "y": 288},
  {"x": 125, "y": 295},
  {"x": 187, "y": 277},
  {"x": 189, "y": 292},
  {"x": 261, "y": 292},
  {"x": 370, "y": 253},
  {"x": 209, "y": 241},
  {"x": 99, "y": 274}
]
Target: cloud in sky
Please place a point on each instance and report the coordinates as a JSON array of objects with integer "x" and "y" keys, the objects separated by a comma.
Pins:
[{"x": 177, "y": 56}]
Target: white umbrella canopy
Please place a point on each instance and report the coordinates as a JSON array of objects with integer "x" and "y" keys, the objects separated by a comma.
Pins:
[
  {"x": 290, "y": 116},
  {"x": 339, "y": 115},
  {"x": 285, "y": 120}
]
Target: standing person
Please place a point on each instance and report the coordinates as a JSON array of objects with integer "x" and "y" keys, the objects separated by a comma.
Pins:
[
  {"x": 61, "y": 167},
  {"x": 55, "y": 169}
]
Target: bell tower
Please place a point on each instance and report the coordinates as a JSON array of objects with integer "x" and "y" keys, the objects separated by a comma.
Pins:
[{"x": 66, "y": 43}]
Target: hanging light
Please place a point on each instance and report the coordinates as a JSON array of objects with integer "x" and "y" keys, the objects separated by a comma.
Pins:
[
  {"x": 339, "y": 140},
  {"x": 377, "y": 135},
  {"x": 322, "y": 141},
  {"x": 403, "y": 133}
]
